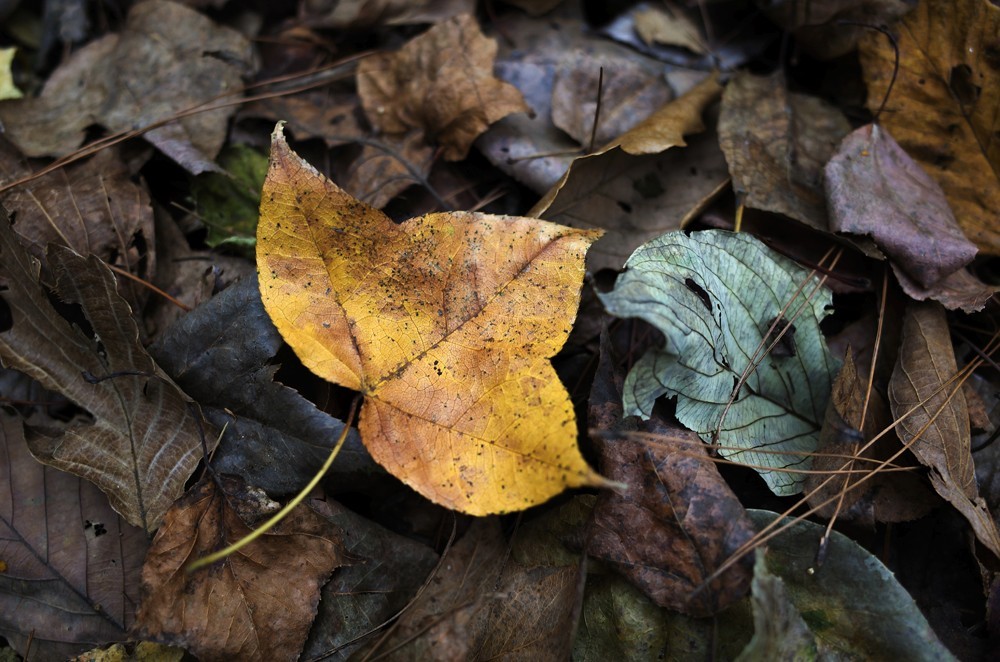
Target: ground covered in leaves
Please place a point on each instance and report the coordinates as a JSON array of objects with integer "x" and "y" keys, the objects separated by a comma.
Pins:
[{"x": 648, "y": 330}]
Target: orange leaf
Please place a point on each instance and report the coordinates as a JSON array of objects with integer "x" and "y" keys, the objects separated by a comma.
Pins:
[{"x": 446, "y": 323}]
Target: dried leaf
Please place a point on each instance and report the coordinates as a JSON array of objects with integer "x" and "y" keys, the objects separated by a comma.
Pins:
[
  {"x": 446, "y": 323},
  {"x": 668, "y": 26},
  {"x": 388, "y": 166},
  {"x": 958, "y": 291},
  {"x": 873, "y": 187},
  {"x": 678, "y": 521},
  {"x": 937, "y": 430},
  {"x": 143, "y": 442},
  {"x": 227, "y": 203},
  {"x": 356, "y": 14},
  {"x": 143, "y": 651},
  {"x": 715, "y": 296},
  {"x": 255, "y": 604},
  {"x": 943, "y": 109},
  {"x": 167, "y": 59},
  {"x": 329, "y": 116},
  {"x": 71, "y": 566},
  {"x": 828, "y": 29},
  {"x": 776, "y": 143},
  {"x": 441, "y": 83}
]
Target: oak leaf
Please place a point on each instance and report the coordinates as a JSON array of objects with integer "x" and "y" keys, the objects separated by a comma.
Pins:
[{"x": 445, "y": 323}]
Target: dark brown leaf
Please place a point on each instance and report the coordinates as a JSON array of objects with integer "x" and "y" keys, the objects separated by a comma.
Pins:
[
  {"x": 71, "y": 565},
  {"x": 257, "y": 603},
  {"x": 143, "y": 441},
  {"x": 678, "y": 521},
  {"x": 937, "y": 428}
]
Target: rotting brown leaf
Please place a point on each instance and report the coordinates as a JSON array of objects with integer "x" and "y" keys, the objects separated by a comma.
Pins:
[
  {"x": 441, "y": 83},
  {"x": 71, "y": 565},
  {"x": 167, "y": 59},
  {"x": 370, "y": 13},
  {"x": 143, "y": 442},
  {"x": 945, "y": 104},
  {"x": 257, "y": 603},
  {"x": 937, "y": 431},
  {"x": 678, "y": 522},
  {"x": 329, "y": 116},
  {"x": 387, "y": 166},
  {"x": 776, "y": 143}
]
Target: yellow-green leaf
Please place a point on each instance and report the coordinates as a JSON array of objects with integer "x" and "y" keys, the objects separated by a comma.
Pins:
[{"x": 445, "y": 323}]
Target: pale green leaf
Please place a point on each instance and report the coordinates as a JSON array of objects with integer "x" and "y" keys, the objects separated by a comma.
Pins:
[{"x": 714, "y": 295}]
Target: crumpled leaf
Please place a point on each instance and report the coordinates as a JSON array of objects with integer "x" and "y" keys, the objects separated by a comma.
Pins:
[
  {"x": 937, "y": 431},
  {"x": 144, "y": 651},
  {"x": 70, "y": 564},
  {"x": 873, "y": 187},
  {"x": 143, "y": 442},
  {"x": 324, "y": 114},
  {"x": 92, "y": 206},
  {"x": 442, "y": 83},
  {"x": 679, "y": 520},
  {"x": 850, "y": 582},
  {"x": 255, "y": 604},
  {"x": 776, "y": 143},
  {"x": 445, "y": 323},
  {"x": 831, "y": 28},
  {"x": 355, "y": 14},
  {"x": 167, "y": 59},
  {"x": 222, "y": 355},
  {"x": 387, "y": 166},
  {"x": 669, "y": 26},
  {"x": 228, "y": 202},
  {"x": 386, "y": 571},
  {"x": 715, "y": 295},
  {"x": 945, "y": 104},
  {"x": 634, "y": 190}
]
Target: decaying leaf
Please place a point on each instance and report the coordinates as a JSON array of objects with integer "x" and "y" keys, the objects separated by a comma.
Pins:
[
  {"x": 227, "y": 203},
  {"x": 777, "y": 157},
  {"x": 167, "y": 59},
  {"x": 832, "y": 28},
  {"x": 442, "y": 83},
  {"x": 934, "y": 420},
  {"x": 850, "y": 582},
  {"x": 678, "y": 521},
  {"x": 944, "y": 105},
  {"x": 255, "y": 604},
  {"x": 70, "y": 565},
  {"x": 636, "y": 186},
  {"x": 387, "y": 166},
  {"x": 143, "y": 651},
  {"x": 717, "y": 297},
  {"x": 445, "y": 323},
  {"x": 143, "y": 441},
  {"x": 368, "y": 13}
]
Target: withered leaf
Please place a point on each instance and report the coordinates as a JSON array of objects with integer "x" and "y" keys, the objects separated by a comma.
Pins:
[
  {"x": 370, "y": 13},
  {"x": 257, "y": 603},
  {"x": 442, "y": 83},
  {"x": 70, "y": 577},
  {"x": 143, "y": 442},
  {"x": 678, "y": 521},
  {"x": 937, "y": 428}
]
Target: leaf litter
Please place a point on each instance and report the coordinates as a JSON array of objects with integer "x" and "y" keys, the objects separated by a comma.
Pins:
[{"x": 613, "y": 119}]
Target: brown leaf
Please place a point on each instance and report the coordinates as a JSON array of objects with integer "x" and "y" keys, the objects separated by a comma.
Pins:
[
  {"x": 873, "y": 187},
  {"x": 678, "y": 521},
  {"x": 329, "y": 116},
  {"x": 937, "y": 430},
  {"x": 776, "y": 143},
  {"x": 831, "y": 28},
  {"x": 960, "y": 290},
  {"x": 943, "y": 109},
  {"x": 168, "y": 59},
  {"x": 143, "y": 441},
  {"x": 71, "y": 565},
  {"x": 387, "y": 166},
  {"x": 442, "y": 83},
  {"x": 370, "y": 13},
  {"x": 92, "y": 207},
  {"x": 886, "y": 497},
  {"x": 257, "y": 603}
]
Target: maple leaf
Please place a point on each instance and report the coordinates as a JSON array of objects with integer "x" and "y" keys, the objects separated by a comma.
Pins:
[{"x": 445, "y": 323}]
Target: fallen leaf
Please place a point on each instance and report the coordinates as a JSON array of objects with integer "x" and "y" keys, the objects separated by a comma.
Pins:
[
  {"x": 329, "y": 116},
  {"x": 228, "y": 202},
  {"x": 776, "y": 143},
  {"x": 71, "y": 565},
  {"x": 715, "y": 296},
  {"x": 257, "y": 603},
  {"x": 441, "y": 83},
  {"x": 634, "y": 192},
  {"x": 678, "y": 522},
  {"x": 944, "y": 104},
  {"x": 873, "y": 187},
  {"x": 445, "y": 323},
  {"x": 222, "y": 354},
  {"x": 369, "y": 13},
  {"x": 958, "y": 291},
  {"x": 8, "y": 90},
  {"x": 937, "y": 428},
  {"x": 167, "y": 59},
  {"x": 387, "y": 166},
  {"x": 143, "y": 441},
  {"x": 832, "y": 28},
  {"x": 92, "y": 206},
  {"x": 669, "y": 26},
  {"x": 851, "y": 581},
  {"x": 385, "y": 573},
  {"x": 144, "y": 651}
]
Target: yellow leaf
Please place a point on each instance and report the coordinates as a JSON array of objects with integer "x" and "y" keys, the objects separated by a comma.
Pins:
[
  {"x": 445, "y": 323},
  {"x": 944, "y": 109}
]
